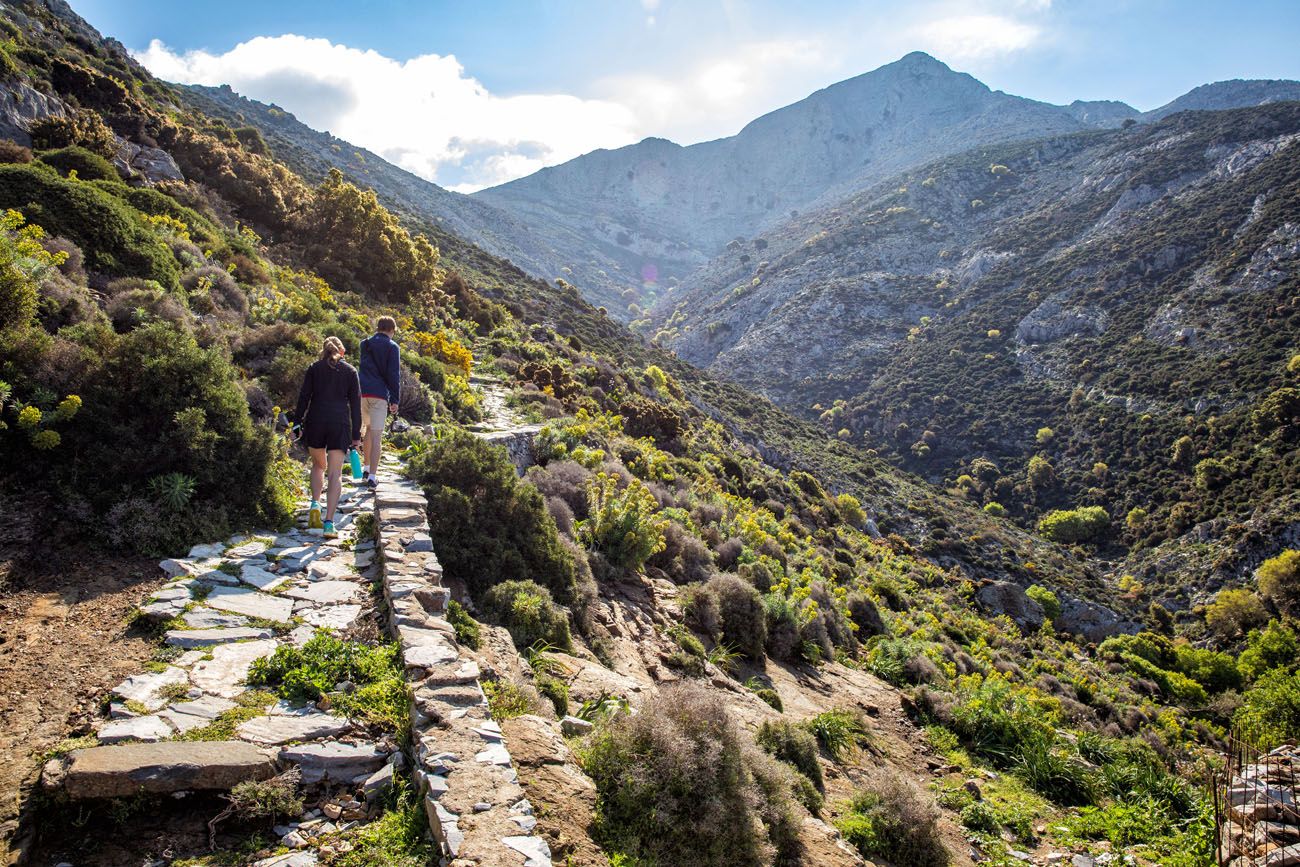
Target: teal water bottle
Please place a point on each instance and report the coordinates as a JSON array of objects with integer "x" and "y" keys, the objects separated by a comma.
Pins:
[{"x": 355, "y": 459}]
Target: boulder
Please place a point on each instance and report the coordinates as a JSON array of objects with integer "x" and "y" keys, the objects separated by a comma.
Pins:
[
  {"x": 168, "y": 766},
  {"x": 1004, "y": 597},
  {"x": 1094, "y": 622}
]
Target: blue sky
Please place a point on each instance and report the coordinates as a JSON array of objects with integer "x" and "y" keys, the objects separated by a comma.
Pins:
[{"x": 474, "y": 93}]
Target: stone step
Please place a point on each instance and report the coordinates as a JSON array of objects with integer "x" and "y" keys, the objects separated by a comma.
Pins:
[
  {"x": 168, "y": 766},
  {"x": 189, "y": 638}
]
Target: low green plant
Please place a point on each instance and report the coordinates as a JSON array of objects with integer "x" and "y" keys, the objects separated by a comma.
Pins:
[
  {"x": 377, "y": 695},
  {"x": 467, "y": 628},
  {"x": 506, "y": 700},
  {"x": 838, "y": 731},
  {"x": 765, "y": 692},
  {"x": 528, "y": 611},
  {"x": 888, "y": 819},
  {"x": 398, "y": 838},
  {"x": 623, "y": 524}
]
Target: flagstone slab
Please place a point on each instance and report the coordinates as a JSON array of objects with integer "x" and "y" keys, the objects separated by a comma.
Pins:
[
  {"x": 202, "y": 617},
  {"x": 141, "y": 728},
  {"x": 283, "y": 729},
  {"x": 144, "y": 688},
  {"x": 253, "y": 603},
  {"x": 336, "y": 617},
  {"x": 260, "y": 578},
  {"x": 325, "y": 592},
  {"x": 225, "y": 672},
  {"x": 167, "y": 766},
  {"x": 189, "y": 638}
]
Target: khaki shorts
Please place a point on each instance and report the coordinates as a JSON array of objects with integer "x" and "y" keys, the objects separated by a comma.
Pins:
[{"x": 374, "y": 414}]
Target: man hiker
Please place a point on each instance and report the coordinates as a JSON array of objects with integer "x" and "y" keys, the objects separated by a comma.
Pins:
[{"x": 380, "y": 381}]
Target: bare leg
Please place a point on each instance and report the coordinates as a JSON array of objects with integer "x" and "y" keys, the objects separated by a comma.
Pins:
[
  {"x": 335, "y": 482},
  {"x": 317, "y": 473}
]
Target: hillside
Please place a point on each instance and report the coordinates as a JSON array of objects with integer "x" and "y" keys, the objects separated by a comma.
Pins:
[
  {"x": 688, "y": 627},
  {"x": 1122, "y": 289}
]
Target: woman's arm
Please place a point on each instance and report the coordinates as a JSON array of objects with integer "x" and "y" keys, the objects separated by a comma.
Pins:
[
  {"x": 305, "y": 395},
  {"x": 354, "y": 403}
]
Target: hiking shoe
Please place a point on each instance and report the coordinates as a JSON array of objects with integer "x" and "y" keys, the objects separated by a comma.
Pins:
[
  {"x": 329, "y": 531},
  {"x": 313, "y": 516},
  {"x": 372, "y": 483}
]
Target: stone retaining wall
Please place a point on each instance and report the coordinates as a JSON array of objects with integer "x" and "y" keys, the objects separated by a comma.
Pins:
[{"x": 476, "y": 808}]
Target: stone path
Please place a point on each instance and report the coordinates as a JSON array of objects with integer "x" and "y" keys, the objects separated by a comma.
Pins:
[{"x": 230, "y": 604}]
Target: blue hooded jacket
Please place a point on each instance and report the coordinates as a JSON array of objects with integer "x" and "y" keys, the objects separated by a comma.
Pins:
[{"x": 381, "y": 374}]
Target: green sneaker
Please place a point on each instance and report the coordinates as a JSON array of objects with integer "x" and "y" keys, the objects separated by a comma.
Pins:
[
  {"x": 329, "y": 531},
  {"x": 313, "y": 516}
]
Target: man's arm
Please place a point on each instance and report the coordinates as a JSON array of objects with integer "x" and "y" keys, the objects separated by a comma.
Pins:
[{"x": 394, "y": 376}]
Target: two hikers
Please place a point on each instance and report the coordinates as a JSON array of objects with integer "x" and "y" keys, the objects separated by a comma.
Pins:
[
  {"x": 339, "y": 408},
  {"x": 329, "y": 412},
  {"x": 380, "y": 390}
]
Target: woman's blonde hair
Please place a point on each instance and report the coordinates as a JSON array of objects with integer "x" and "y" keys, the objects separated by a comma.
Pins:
[{"x": 332, "y": 349}]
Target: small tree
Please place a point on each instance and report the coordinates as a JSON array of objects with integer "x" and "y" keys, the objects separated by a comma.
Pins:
[
  {"x": 1279, "y": 581},
  {"x": 1181, "y": 453},
  {"x": 1234, "y": 611},
  {"x": 1046, "y": 598}
]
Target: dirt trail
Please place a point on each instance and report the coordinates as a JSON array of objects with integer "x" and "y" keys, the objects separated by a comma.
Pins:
[{"x": 63, "y": 642}]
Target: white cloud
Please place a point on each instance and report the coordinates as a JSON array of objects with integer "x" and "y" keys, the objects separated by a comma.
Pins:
[
  {"x": 429, "y": 116},
  {"x": 425, "y": 114},
  {"x": 718, "y": 96},
  {"x": 977, "y": 37}
]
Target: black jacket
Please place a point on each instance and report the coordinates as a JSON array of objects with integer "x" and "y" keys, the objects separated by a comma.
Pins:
[{"x": 331, "y": 392}]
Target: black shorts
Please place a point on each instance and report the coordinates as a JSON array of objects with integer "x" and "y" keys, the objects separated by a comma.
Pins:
[{"x": 331, "y": 435}]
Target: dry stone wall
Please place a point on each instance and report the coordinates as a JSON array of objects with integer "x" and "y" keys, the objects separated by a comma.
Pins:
[{"x": 477, "y": 810}]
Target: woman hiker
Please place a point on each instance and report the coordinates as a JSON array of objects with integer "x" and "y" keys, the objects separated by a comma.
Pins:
[{"x": 329, "y": 415}]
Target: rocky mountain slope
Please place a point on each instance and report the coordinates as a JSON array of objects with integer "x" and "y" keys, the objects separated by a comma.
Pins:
[
  {"x": 707, "y": 633},
  {"x": 659, "y": 210},
  {"x": 1121, "y": 289}
]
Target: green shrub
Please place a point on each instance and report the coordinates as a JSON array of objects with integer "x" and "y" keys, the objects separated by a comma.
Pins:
[
  {"x": 794, "y": 745},
  {"x": 890, "y": 820},
  {"x": 156, "y": 404},
  {"x": 1050, "y": 770},
  {"x": 378, "y": 694},
  {"x": 1279, "y": 581},
  {"x": 1273, "y": 646},
  {"x": 1047, "y": 599},
  {"x": 1234, "y": 612},
  {"x": 506, "y": 700},
  {"x": 1074, "y": 525},
  {"x": 838, "y": 731},
  {"x": 623, "y": 525},
  {"x": 528, "y": 611},
  {"x": 979, "y": 816},
  {"x": 742, "y": 621},
  {"x": 23, "y": 264},
  {"x": 1270, "y": 710},
  {"x": 488, "y": 526},
  {"x": 109, "y": 232},
  {"x": 901, "y": 661},
  {"x": 678, "y": 784},
  {"x": 88, "y": 166},
  {"x": 1212, "y": 669}
]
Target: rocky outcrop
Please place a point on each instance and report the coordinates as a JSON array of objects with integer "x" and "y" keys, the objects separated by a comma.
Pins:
[
  {"x": 21, "y": 105},
  {"x": 151, "y": 164},
  {"x": 1094, "y": 622},
  {"x": 1052, "y": 320},
  {"x": 1006, "y": 598},
  {"x": 518, "y": 443}
]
